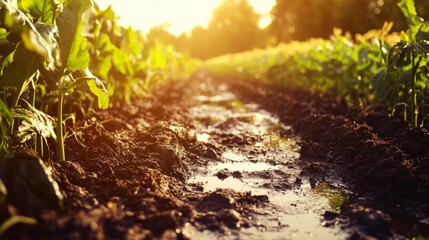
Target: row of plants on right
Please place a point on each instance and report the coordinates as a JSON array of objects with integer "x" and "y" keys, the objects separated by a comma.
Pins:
[{"x": 371, "y": 70}]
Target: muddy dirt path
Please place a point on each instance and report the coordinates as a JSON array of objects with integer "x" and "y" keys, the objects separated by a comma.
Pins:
[
  {"x": 213, "y": 157},
  {"x": 259, "y": 156}
]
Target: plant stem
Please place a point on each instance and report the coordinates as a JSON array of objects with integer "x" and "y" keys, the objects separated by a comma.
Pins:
[
  {"x": 60, "y": 136},
  {"x": 414, "y": 107}
]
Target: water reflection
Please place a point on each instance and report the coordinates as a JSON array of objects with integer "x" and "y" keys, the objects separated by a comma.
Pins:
[{"x": 262, "y": 167}]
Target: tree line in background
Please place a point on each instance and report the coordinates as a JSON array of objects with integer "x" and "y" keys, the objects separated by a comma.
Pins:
[{"x": 234, "y": 24}]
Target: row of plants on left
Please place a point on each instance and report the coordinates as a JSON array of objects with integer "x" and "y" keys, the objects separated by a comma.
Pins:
[
  {"x": 59, "y": 60},
  {"x": 44, "y": 58}
]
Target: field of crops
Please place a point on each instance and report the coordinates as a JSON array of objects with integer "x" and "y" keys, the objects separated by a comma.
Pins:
[
  {"x": 108, "y": 133},
  {"x": 376, "y": 69}
]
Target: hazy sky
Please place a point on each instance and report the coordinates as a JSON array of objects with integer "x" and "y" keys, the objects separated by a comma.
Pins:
[{"x": 183, "y": 15}]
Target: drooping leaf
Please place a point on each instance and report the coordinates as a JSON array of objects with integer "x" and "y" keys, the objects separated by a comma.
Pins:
[
  {"x": 98, "y": 89},
  {"x": 43, "y": 10},
  {"x": 33, "y": 122},
  {"x": 30, "y": 186},
  {"x": 50, "y": 34},
  {"x": 73, "y": 46},
  {"x": 95, "y": 86}
]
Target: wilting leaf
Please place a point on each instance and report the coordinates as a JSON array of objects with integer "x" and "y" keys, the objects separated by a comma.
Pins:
[
  {"x": 29, "y": 184},
  {"x": 73, "y": 46},
  {"x": 50, "y": 34},
  {"x": 33, "y": 122}
]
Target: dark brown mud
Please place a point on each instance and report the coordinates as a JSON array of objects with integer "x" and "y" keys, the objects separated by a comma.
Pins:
[{"x": 134, "y": 174}]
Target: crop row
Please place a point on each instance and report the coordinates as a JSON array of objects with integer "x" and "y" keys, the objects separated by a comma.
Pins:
[
  {"x": 376, "y": 69},
  {"x": 56, "y": 53}
]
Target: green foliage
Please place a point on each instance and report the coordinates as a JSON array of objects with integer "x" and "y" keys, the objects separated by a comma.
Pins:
[
  {"x": 371, "y": 70},
  {"x": 401, "y": 83},
  {"x": 73, "y": 47},
  {"x": 129, "y": 63},
  {"x": 43, "y": 10},
  {"x": 51, "y": 60}
]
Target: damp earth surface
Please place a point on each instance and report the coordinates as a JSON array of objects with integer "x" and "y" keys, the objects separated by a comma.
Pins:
[{"x": 213, "y": 157}]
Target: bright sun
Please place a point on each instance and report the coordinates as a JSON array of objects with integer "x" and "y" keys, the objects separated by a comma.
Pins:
[{"x": 181, "y": 15}]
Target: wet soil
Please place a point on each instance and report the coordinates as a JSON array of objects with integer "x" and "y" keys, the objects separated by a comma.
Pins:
[{"x": 213, "y": 157}]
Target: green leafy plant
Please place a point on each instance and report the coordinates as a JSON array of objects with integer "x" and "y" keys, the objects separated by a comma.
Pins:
[
  {"x": 53, "y": 51},
  {"x": 407, "y": 65}
]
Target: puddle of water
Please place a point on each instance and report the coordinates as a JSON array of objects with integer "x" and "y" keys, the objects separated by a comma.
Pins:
[
  {"x": 299, "y": 226},
  {"x": 229, "y": 155},
  {"x": 211, "y": 183},
  {"x": 243, "y": 166},
  {"x": 293, "y": 212},
  {"x": 336, "y": 197}
]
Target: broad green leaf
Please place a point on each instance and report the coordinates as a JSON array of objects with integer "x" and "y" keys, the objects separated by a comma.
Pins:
[
  {"x": 73, "y": 46},
  {"x": 414, "y": 21},
  {"x": 16, "y": 21},
  {"x": 98, "y": 89},
  {"x": 43, "y": 10},
  {"x": 95, "y": 86},
  {"x": 23, "y": 66}
]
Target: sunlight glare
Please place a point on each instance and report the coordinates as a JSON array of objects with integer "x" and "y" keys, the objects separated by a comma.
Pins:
[{"x": 181, "y": 16}]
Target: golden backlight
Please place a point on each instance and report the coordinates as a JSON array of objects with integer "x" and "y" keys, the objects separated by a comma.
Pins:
[{"x": 180, "y": 15}]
